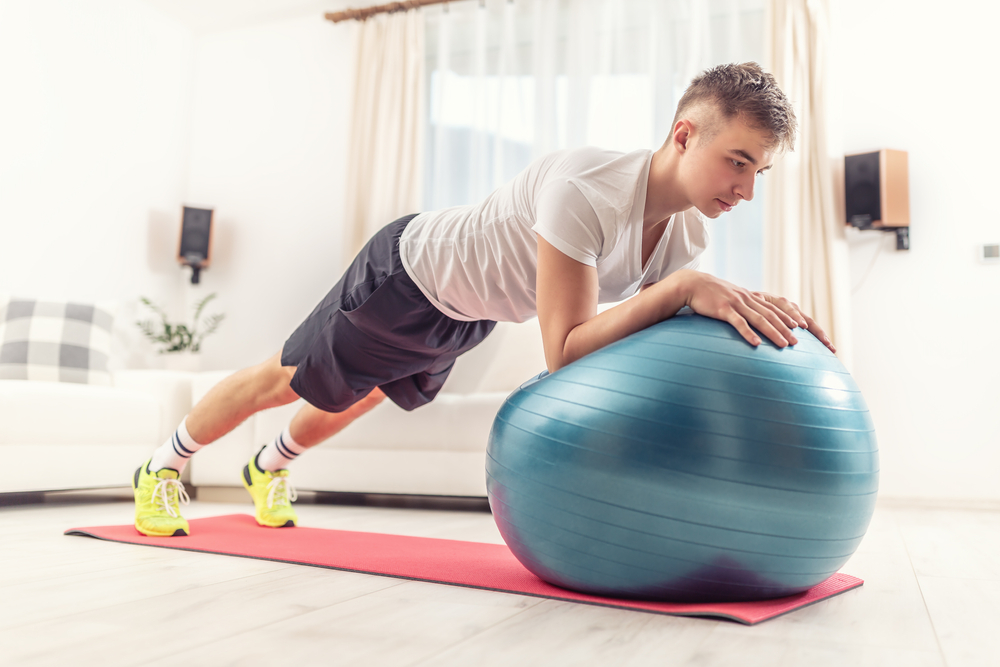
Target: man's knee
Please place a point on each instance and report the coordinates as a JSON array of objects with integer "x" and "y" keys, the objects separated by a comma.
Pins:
[
  {"x": 283, "y": 394},
  {"x": 275, "y": 381},
  {"x": 374, "y": 397}
]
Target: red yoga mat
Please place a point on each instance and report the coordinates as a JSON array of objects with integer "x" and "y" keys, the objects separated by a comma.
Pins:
[{"x": 473, "y": 564}]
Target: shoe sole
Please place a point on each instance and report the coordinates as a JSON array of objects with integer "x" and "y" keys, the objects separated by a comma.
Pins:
[{"x": 180, "y": 532}]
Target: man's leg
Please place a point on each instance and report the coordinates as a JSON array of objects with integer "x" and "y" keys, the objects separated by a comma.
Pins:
[
  {"x": 266, "y": 475},
  {"x": 242, "y": 394},
  {"x": 311, "y": 426},
  {"x": 308, "y": 428},
  {"x": 158, "y": 491}
]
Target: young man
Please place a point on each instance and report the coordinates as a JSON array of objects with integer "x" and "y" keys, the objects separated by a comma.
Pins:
[{"x": 575, "y": 229}]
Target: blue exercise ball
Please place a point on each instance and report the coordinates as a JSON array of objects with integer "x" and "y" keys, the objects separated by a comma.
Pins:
[{"x": 683, "y": 464}]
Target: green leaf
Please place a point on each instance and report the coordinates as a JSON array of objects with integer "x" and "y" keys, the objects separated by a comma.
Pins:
[{"x": 177, "y": 337}]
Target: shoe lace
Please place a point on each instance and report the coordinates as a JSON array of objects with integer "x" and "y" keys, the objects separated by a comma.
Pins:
[
  {"x": 167, "y": 494},
  {"x": 281, "y": 492}
]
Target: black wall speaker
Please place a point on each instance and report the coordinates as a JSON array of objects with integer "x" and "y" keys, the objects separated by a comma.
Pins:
[
  {"x": 877, "y": 189},
  {"x": 195, "y": 248}
]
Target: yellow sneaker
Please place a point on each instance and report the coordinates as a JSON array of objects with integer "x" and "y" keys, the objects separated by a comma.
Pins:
[
  {"x": 158, "y": 497},
  {"x": 272, "y": 494}
]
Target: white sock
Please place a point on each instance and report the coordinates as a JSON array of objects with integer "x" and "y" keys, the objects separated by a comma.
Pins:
[
  {"x": 282, "y": 451},
  {"x": 176, "y": 451}
]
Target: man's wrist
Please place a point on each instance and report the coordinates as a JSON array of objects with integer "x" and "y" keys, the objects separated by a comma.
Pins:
[
  {"x": 681, "y": 287},
  {"x": 669, "y": 295},
  {"x": 683, "y": 282}
]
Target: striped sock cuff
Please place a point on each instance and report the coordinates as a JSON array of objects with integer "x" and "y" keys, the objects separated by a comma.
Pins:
[
  {"x": 184, "y": 445},
  {"x": 281, "y": 451},
  {"x": 287, "y": 446},
  {"x": 175, "y": 452}
]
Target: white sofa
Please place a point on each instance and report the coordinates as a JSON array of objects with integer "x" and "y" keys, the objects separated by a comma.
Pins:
[
  {"x": 64, "y": 436},
  {"x": 438, "y": 449},
  {"x": 100, "y": 434}
]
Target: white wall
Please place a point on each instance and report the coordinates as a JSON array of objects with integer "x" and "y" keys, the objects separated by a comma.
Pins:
[
  {"x": 115, "y": 114},
  {"x": 269, "y": 146},
  {"x": 926, "y": 321},
  {"x": 93, "y": 140}
]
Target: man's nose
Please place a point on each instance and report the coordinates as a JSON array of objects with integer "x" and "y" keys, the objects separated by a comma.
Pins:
[{"x": 745, "y": 188}]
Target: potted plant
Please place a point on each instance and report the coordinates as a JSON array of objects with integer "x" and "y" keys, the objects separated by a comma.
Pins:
[{"x": 180, "y": 342}]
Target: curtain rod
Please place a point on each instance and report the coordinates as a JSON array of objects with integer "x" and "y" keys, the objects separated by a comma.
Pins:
[{"x": 362, "y": 14}]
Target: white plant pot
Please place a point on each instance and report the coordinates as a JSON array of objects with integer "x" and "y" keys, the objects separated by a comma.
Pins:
[{"x": 187, "y": 362}]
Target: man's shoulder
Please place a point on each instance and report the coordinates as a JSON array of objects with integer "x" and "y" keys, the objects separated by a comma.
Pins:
[
  {"x": 586, "y": 159},
  {"x": 613, "y": 176},
  {"x": 599, "y": 189}
]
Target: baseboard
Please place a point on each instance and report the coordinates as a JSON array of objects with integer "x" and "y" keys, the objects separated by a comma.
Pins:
[
  {"x": 923, "y": 503},
  {"x": 219, "y": 494},
  {"x": 233, "y": 494},
  {"x": 397, "y": 500},
  {"x": 67, "y": 496},
  {"x": 236, "y": 495}
]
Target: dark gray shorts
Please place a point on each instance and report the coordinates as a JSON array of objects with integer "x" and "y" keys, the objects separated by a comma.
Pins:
[{"x": 376, "y": 329}]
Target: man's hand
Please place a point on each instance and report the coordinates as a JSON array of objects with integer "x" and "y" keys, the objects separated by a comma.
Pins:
[
  {"x": 773, "y": 316},
  {"x": 793, "y": 310}
]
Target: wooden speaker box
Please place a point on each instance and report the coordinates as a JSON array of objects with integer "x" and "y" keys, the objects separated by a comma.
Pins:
[{"x": 877, "y": 189}]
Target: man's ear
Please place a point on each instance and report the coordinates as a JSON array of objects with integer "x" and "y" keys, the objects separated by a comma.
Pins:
[{"x": 682, "y": 135}]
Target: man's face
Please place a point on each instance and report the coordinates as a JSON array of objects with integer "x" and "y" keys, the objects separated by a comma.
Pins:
[{"x": 720, "y": 173}]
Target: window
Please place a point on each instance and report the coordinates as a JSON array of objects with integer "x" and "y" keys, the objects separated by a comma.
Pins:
[{"x": 511, "y": 81}]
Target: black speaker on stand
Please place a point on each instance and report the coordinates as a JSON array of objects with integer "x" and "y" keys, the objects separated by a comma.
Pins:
[
  {"x": 877, "y": 193},
  {"x": 195, "y": 248}
]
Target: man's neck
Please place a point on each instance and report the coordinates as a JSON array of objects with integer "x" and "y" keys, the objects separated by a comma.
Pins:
[{"x": 664, "y": 197}]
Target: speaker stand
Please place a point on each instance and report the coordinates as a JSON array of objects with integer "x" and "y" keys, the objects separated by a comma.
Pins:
[{"x": 902, "y": 238}]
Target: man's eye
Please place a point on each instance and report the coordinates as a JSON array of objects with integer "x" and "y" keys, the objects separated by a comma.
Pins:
[{"x": 737, "y": 163}]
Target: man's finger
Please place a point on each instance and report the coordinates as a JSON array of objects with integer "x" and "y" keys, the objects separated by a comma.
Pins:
[
  {"x": 775, "y": 319},
  {"x": 789, "y": 310},
  {"x": 790, "y": 318},
  {"x": 743, "y": 328},
  {"x": 764, "y": 325},
  {"x": 815, "y": 330}
]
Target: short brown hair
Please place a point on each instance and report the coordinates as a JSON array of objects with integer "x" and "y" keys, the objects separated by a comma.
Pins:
[{"x": 746, "y": 91}]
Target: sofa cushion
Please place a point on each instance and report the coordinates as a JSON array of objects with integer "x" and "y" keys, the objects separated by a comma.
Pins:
[
  {"x": 451, "y": 423},
  {"x": 55, "y": 413},
  {"x": 510, "y": 355},
  {"x": 519, "y": 357},
  {"x": 55, "y": 341}
]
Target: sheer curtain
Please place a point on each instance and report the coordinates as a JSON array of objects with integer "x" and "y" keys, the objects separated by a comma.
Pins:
[
  {"x": 805, "y": 242},
  {"x": 510, "y": 80},
  {"x": 385, "y": 153}
]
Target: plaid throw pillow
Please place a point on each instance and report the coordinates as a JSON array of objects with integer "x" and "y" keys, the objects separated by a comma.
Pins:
[{"x": 55, "y": 341}]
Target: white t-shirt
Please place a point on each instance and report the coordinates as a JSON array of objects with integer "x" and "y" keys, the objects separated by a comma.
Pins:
[{"x": 479, "y": 262}]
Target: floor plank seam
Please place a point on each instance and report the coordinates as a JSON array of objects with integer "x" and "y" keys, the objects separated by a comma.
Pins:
[
  {"x": 87, "y": 612},
  {"x": 270, "y": 623},
  {"x": 286, "y": 568},
  {"x": 425, "y": 660},
  {"x": 923, "y": 598}
]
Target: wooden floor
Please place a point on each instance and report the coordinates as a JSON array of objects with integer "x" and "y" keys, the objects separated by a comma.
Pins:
[{"x": 931, "y": 597}]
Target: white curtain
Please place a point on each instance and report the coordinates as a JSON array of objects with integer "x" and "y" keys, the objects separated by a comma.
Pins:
[
  {"x": 805, "y": 249},
  {"x": 509, "y": 81},
  {"x": 385, "y": 154}
]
